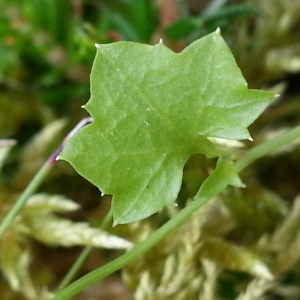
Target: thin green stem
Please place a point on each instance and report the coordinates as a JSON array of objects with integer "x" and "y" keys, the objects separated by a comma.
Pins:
[
  {"x": 83, "y": 256},
  {"x": 22, "y": 200},
  {"x": 267, "y": 148},
  {"x": 172, "y": 224},
  {"x": 38, "y": 178},
  {"x": 131, "y": 255}
]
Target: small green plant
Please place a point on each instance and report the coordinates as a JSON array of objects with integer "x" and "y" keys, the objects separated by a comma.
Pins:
[{"x": 151, "y": 110}]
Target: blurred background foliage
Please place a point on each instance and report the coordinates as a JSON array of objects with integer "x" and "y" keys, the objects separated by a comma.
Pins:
[{"x": 243, "y": 245}]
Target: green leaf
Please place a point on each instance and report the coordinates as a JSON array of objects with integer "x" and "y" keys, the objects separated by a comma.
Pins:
[
  {"x": 223, "y": 175},
  {"x": 152, "y": 109},
  {"x": 182, "y": 28}
]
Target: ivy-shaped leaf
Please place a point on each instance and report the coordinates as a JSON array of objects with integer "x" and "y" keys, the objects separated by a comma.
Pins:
[{"x": 152, "y": 109}]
